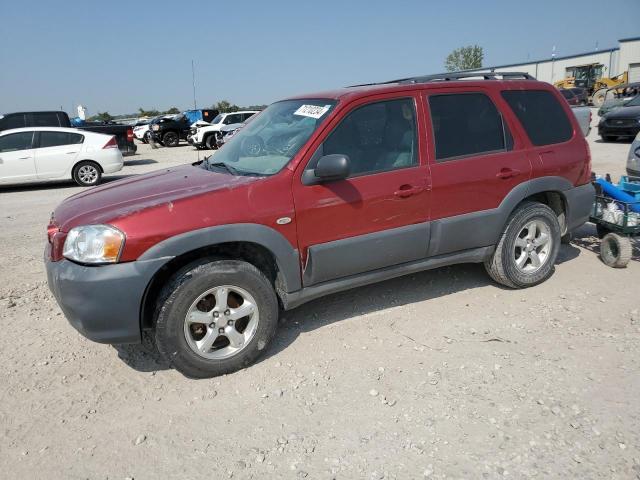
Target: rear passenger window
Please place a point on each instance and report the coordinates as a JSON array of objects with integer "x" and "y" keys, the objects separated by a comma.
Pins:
[
  {"x": 377, "y": 137},
  {"x": 56, "y": 139},
  {"x": 541, "y": 115},
  {"x": 467, "y": 124}
]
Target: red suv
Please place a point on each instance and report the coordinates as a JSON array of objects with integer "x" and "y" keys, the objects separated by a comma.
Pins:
[{"x": 322, "y": 193}]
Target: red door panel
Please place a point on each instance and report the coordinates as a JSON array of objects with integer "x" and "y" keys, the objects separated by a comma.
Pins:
[
  {"x": 342, "y": 220},
  {"x": 466, "y": 188}
]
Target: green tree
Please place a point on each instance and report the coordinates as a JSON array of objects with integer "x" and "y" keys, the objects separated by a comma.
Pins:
[
  {"x": 223, "y": 106},
  {"x": 173, "y": 111},
  {"x": 148, "y": 113},
  {"x": 464, "y": 58},
  {"x": 101, "y": 117}
]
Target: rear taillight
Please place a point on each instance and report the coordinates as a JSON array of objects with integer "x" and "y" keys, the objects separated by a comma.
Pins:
[
  {"x": 111, "y": 143},
  {"x": 130, "y": 134}
]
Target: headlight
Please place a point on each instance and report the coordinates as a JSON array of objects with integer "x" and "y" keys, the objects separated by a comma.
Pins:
[
  {"x": 93, "y": 244},
  {"x": 155, "y": 128}
]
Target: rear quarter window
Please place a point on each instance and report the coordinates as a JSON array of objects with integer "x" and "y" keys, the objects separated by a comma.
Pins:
[{"x": 541, "y": 115}]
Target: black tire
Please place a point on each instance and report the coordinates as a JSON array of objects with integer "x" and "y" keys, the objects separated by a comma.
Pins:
[
  {"x": 145, "y": 137},
  {"x": 87, "y": 173},
  {"x": 615, "y": 250},
  {"x": 210, "y": 142},
  {"x": 185, "y": 287},
  {"x": 502, "y": 264},
  {"x": 170, "y": 139}
]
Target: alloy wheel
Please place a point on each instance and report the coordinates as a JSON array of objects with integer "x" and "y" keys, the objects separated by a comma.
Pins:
[
  {"x": 532, "y": 246},
  {"x": 221, "y": 322}
]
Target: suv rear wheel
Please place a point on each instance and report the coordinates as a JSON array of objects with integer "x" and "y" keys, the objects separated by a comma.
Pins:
[
  {"x": 170, "y": 139},
  {"x": 528, "y": 247},
  {"x": 216, "y": 317}
]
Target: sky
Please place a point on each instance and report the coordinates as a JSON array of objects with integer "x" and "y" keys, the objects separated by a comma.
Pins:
[{"x": 118, "y": 56}]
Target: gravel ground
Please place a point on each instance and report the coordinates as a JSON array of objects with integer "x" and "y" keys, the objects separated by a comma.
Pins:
[{"x": 441, "y": 374}]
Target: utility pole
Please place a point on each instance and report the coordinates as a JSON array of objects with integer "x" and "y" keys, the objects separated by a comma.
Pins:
[{"x": 193, "y": 77}]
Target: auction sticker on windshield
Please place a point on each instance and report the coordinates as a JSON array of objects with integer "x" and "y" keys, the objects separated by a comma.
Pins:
[{"x": 313, "y": 111}]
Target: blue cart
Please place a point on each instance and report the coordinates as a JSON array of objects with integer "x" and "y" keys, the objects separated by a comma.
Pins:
[{"x": 616, "y": 214}]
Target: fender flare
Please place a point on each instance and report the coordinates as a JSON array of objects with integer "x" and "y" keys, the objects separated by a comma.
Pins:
[
  {"x": 286, "y": 256},
  {"x": 483, "y": 228}
]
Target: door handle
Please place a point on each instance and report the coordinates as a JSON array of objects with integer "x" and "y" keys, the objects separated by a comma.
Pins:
[
  {"x": 24, "y": 158},
  {"x": 407, "y": 190},
  {"x": 506, "y": 173},
  {"x": 71, "y": 153}
]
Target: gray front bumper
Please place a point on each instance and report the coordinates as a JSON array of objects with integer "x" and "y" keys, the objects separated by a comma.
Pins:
[{"x": 102, "y": 302}]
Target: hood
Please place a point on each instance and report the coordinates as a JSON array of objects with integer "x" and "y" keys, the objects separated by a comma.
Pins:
[
  {"x": 624, "y": 112},
  {"x": 121, "y": 198}
]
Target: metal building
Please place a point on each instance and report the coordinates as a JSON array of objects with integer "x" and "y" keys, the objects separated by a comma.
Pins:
[{"x": 614, "y": 61}]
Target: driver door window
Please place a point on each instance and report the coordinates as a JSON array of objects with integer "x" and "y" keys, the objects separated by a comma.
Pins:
[{"x": 377, "y": 137}]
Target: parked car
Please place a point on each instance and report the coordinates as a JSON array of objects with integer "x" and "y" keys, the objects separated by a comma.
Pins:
[
  {"x": 49, "y": 153},
  {"x": 123, "y": 133},
  {"x": 168, "y": 131},
  {"x": 584, "y": 116},
  {"x": 621, "y": 122},
  {"x": 569, "y": 96},
  {"x": 227, "y": 132},
  {"x": 322, "y": 193},
  {"x": 208, "y": 136},
  {"x": 141, "y": 129},
  {"x": 618, "y": 96},
  {"x": 582, "y": 94},
  {"x": 633, "y": 159}
]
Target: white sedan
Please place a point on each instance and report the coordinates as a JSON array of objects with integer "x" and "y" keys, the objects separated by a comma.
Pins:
[{"x": 47, "y": 153}]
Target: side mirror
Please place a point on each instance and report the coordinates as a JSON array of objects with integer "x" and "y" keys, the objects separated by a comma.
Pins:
[{"x": 332, "y": 167}]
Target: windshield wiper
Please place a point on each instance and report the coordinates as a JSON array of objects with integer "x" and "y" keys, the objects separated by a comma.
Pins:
[{"x": 225, "y": 166}]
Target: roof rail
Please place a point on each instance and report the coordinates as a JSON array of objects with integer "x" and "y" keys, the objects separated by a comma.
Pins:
[{"x": 451, "y": 76}]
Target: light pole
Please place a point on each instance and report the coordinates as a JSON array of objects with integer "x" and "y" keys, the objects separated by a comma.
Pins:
[{"x": 193, "y": 78}]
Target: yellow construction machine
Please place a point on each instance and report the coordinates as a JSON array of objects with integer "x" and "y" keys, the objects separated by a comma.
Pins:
[{"x": 590, "y": 78}]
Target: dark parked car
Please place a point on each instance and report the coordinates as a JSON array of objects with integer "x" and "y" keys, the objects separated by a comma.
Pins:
[
  {"x": 168, "y": 131},
  {"x": 621, "y": 122},
  {"x": 569, "y": 96},
  {"x": 123, "y": 133},
  {"x": 322, "y": 193},
  {"x": 582, "y": 94}
]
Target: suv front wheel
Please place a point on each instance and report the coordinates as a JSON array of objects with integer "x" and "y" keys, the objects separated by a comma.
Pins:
[
  {"x": 527, "y": 250},
  {"x": 216, "y": 317},
  {"x": 170, "y": 139}
]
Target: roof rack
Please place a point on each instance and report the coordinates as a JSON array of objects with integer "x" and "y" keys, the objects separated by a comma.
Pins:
[{"x": 451, "y": 76}]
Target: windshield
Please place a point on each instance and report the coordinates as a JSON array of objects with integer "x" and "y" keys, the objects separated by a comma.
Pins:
[
  {"x": 267, "y": 143},
  {"x": 218, "y": 119},
  {"x": 634, "y": 102}
]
